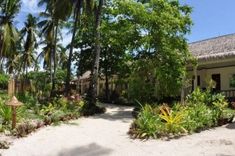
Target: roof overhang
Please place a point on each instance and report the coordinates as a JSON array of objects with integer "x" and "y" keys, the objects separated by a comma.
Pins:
[{"x": 216, "y": 62}]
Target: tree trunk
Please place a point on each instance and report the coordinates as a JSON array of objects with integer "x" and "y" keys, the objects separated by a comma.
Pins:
[
  {"x": 51, "y": 79},
  {"x": 54, "y": 60},
  {"x": 106, "y": 79},
  {"x": 75, "y": 24},
  {"x": 95, "y": 70},
  {"x": 106, "y": 87}
]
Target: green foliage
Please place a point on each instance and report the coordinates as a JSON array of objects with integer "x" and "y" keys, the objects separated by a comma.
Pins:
[
  {"x": 148, "y": 123},
  {"x": 3, "y": 81},
  {"x": 142, "y": 81},
  {"x": 197, "y": 114},
  {"x": 5, "y": 111},
  {"x": 40, "y": 82},
  {"x": 5, "y": 114},
  {"x": 154, "y": 37},
  {"x": 27, "y": 99},
  {"x": 228, "y": 114},
  {"x": 198, "y": 96},
  {"x": 172, "y": 121},
  {"x": 47, "y": 110},
  {"x": 198, "y": 117}
]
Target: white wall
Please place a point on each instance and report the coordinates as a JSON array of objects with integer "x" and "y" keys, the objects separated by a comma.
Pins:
[{"x": 225, "y": 75}]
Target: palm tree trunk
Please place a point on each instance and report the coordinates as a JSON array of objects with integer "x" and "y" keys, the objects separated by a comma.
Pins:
[
  {"x": 51, "y": 79},
  {"x": 54, "y": 60},
  {"x": 95, "y": 70},
  {"x": 75, "y": 24}
]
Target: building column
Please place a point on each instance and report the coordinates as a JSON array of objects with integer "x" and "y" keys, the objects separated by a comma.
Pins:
[
  {"x": 182, "y": 96},
  {"x": 195, "y": 77}
]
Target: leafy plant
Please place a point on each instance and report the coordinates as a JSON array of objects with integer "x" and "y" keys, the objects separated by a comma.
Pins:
[
  {"x": 5, "y": 111},
  {"x": 47, "y": 110},
  {"x": 197, "y": 96},
  {"x": 28, "y": 99},
  {"x": 198, "y": 117},
  {"x": 3, "y": 81},
  {"x": 148, "y": 123},
  {"x": 219, "y": 104},
  {"x": 172, "y": 121}
]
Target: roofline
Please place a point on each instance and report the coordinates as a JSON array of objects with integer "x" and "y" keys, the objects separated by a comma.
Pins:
[{"x": 211, "y": 38}]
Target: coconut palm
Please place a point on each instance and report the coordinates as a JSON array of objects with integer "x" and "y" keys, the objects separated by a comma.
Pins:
[
  {"x": 97, "y": 50},
  {"x": 77, "y": 6},
  {"x": 29, "y": 32},
  {"x": 56, "y": 11},
  {"x": 8, "y": 32}
]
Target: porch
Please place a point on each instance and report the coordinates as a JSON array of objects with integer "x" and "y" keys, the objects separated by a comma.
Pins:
[{"x": 221, "y": 71}]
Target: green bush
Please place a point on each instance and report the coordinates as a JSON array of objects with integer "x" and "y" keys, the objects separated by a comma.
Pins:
[
  {"x": 198, "y": 117},
  {"x": 202, "y": 110},
  {"x": 172, "y": 121},
  {"x": 4, "y": 81},
  {"x": 5, "y": 111},
  {"x": 198, "y": 96},
  {"x": 147, "y": 123},
  {"x": 27, "y": 99}
]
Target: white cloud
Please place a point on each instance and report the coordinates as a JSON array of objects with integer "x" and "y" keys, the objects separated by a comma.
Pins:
[{"x": 30, "y": 6}]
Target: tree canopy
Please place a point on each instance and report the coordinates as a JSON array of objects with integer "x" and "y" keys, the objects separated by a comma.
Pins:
[{"x": 140, "y": 41}]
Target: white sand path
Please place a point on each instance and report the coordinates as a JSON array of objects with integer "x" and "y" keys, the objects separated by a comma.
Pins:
[{"x": 106, "y": 134}]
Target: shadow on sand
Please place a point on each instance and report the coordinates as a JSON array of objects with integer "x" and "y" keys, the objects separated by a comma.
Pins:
[
  {"x": 121, "y": 113},
  {"x": 231, "y": 126},
  {"x": 88, "y": 150}
]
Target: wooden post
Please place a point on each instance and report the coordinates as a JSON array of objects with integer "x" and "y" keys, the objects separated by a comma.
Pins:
[
  {"x": 13, "y": 117},
  {"x": 13, "y": 103}
]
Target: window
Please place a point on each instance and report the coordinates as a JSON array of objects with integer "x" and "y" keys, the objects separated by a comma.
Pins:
[{"x": 232, "y": 81}]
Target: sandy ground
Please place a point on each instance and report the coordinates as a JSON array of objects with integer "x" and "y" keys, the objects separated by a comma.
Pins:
[{"x": 107, "y": 135}]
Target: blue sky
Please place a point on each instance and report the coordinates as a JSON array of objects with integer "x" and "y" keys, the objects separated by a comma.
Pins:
[{"x": 211, "y": 17}]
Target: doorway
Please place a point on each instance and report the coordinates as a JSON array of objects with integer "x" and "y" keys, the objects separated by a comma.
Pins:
[{"x": 217, "y": 79}]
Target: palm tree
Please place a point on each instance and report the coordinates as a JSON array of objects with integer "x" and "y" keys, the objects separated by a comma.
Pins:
[
  {"x": 47, "y": 31},
  {"x": 8, "y": 32},
  {"x": 62, "y": 57},
  {"x": 30, "y": 43},
  {"x": 77, "y": 12},
  {"x": 56, "y": 11},
  {"x": 92, "y": 95}
]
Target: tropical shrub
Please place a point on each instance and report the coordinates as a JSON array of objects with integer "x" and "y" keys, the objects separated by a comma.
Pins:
[
  {"x": 147, "y": 123},
  {"x": 172, "y": 121},
  {"x": 219, "y": 104},
  {"x": 5, "y": 114},
  {"x": 198, "y": 96},
  {"x": 3, "y": 81},
  {"x": 5, "y": 111},
  {"x": 198, "y": 117},
  {"x": 27, "y": 99},
  {"x": 197, "y": 114},
  {"x": 142, "y": 81}
]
